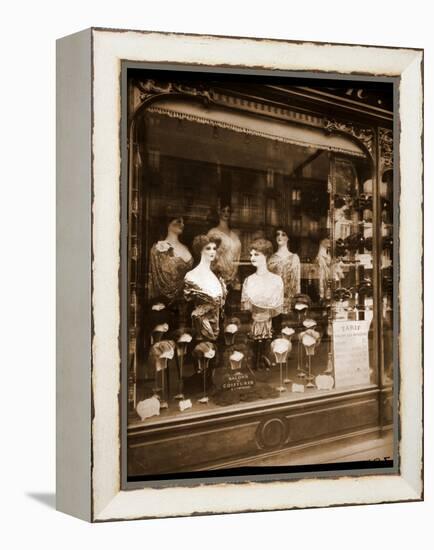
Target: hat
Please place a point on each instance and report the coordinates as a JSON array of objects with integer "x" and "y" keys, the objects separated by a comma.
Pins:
[
  {"x": 301, "y": 300},
  {"x": 342, "y": 294}
]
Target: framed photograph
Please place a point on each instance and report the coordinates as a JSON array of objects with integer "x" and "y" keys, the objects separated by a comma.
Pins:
[{"x": 239, "y": 274}]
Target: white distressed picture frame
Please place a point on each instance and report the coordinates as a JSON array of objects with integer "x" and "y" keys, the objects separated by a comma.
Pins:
[{"x": 88, "y": 300}]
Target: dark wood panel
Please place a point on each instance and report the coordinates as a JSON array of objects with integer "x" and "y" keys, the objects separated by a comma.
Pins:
[
  {"x": 333, "y": 420},
  {"x": 191, "y": 451},
  {"x": 175, "y": 447},
  {"x": 387, "y": 406}
]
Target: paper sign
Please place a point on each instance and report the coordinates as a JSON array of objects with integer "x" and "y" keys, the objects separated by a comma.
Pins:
[
  {"x": 351, "y": 353},
  {"x": 365, "y": 260},
  {"x": 298, "y": 388}
]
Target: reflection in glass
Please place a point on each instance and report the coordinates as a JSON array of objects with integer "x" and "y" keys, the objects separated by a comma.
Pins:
[{"x": 247, "y": 243}]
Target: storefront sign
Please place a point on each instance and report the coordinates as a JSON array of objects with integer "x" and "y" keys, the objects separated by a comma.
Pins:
[
  {"x": 351, "y": 353},
  {"x": 239, "y": 380}
]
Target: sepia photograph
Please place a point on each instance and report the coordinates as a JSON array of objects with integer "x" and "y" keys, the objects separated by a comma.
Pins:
[{"x": 259, "y": 326}]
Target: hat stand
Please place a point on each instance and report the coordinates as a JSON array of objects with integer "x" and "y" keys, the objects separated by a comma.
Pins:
[
  {"x": 329, "y": 368},
  {"x": 281, "y": 357},
  {"x": 161, "y": 367},
  {"x": 309, "y": 377},
  {"x": 287, "y": 380},
  {"x": 181, "y": 350},
  {"x": 300, "y": 370},
  {"x": 203, "y": 366}
]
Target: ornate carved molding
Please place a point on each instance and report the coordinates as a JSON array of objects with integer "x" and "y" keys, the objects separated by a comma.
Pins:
[
  {"x": 146, "y": 89},
  {"x": 150, "y": 88},
  {"x": 143, "y": 90},
  {"x": 272, "y": 433},
  {"x": 364, "y": 134},
  {"x": 385, "y": 137}
]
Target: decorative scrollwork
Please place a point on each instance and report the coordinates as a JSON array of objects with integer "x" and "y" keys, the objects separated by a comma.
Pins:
[
  {"x": 272, "y": 432},
  {"x": 364, "y": 134},
  {"x": 150, "y": 87},
  {"x": 385, "y": 137}
]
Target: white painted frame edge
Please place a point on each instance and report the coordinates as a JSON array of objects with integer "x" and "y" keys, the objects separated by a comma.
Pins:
[{"x": 73, "y": 274}]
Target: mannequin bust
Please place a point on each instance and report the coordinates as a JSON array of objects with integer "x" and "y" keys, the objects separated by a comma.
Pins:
[
  {"x": 342, "y": 228},
  {"x": 229, "y": 251},
  {"x": 205, "y": 290},
  {"x": 286, "y": 264},
  {"x": 169, "y": 262},
  {"x": 262, "y": 292},
  {"x": 324, "y": 262}
]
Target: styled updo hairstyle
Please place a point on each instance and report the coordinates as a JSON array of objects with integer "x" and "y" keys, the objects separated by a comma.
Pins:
[
  {"x": 168, "y": 214},
  {"x": 199, "y": 243},
  {"x": 224, "y": 203},
  {"x": 214, "y": 214},
  {"x": 282, "y": 228},
  {"x": 263, "y": 246},
  {"x": 339, "y": 201}
]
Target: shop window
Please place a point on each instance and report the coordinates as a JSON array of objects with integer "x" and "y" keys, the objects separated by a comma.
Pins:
[
  {"x": 296, "y": 196},
  {"x": 270, "y": 178},
  {"x": 238, "y": 309},
  {"x": 154, "y": 160}
]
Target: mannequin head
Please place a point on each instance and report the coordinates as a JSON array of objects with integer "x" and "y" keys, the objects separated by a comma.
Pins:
[
  {"x": 173, "y": 221},
  {"x": 204, "y": 248},
  {"x": 325, "y": 243},
  {"x": 260, "y": 251},
  {"x": 281, "y": 236},
  {"x": 225, "y": 212},
  {"x": 175, "y": 225},
  {"x": 209, "y": 252},
  {"x": 339, "y": 201}
]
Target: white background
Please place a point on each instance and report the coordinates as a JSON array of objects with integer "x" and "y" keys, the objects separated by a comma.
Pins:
[{"x": 27, "y": 218}]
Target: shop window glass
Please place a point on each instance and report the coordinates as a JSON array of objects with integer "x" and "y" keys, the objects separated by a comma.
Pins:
[{"x": 256, "y": 275}]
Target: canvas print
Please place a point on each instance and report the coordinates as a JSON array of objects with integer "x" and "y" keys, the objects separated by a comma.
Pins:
[{"x": 259, "y": 291}]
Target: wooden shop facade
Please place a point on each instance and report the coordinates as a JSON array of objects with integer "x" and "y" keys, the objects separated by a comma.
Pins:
[{"x": 314, "y": 157}]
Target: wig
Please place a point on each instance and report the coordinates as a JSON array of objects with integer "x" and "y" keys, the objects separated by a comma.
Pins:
[
  {"x": 199, "y": 243},
  {"x": 263, "y": 246},
  {"x": 171, "y": 213},
  {"x": 282, "y": 228}
]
